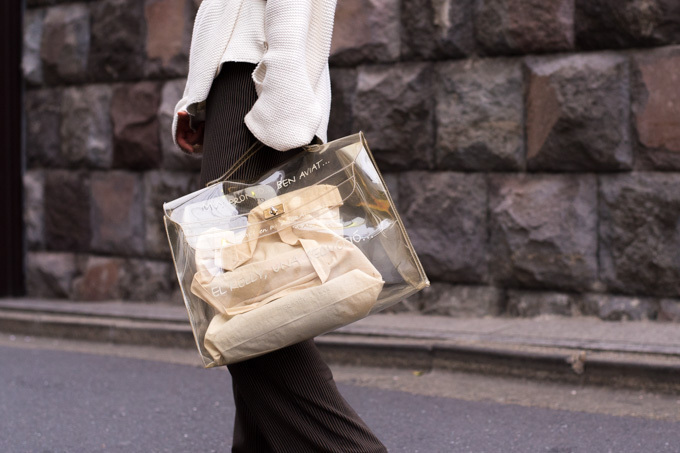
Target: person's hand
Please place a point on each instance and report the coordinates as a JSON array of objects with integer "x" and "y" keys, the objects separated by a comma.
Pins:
[{"x": 188, "y": 139}]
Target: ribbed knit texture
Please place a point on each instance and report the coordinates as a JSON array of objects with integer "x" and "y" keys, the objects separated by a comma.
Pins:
[
  {"x": 286, "y": 401},
  {"x": 292, "y": 77},
  {"x": 247, "y": 43}
]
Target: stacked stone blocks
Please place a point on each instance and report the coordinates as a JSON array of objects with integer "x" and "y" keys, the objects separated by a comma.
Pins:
[
  {"x": 533, "y": 147},
  {"x": 102, "y": 79}
]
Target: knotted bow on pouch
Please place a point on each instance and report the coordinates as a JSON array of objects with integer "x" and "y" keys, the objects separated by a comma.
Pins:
[
  {"x": 291, "y": 277},
  {"x": 292, "y": 242}
]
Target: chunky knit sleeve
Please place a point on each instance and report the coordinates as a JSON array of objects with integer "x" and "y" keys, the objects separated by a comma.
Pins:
[
  {"x": 212, "y": 30},
  {"x": 292, "y": 79}
]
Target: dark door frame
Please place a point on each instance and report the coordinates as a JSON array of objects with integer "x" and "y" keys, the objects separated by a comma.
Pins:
[{"x": 11, "y": 150}]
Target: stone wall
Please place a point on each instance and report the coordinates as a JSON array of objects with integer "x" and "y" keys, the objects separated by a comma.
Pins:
[{"x": 533, "y": 147}]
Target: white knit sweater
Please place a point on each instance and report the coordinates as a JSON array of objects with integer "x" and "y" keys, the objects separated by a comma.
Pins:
[{"x": 290, "y": 41}]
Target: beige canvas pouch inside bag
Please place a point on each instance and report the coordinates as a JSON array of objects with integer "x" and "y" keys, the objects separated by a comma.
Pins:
[{"x": 292, "y": 276}]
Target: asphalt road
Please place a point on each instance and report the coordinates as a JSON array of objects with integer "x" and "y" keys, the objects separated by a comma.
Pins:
[{"x": 56, "y": 400}]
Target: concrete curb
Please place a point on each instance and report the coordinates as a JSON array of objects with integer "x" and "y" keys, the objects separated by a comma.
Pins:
[
  {"x": 108, "y": 322},
  {"x": 574, "y": 367},
  {"x": 89, "y": 328}
]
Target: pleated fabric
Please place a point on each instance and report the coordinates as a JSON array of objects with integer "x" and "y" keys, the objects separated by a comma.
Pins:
[
  {"x": 287, "y": 400},
  {"x": 226, "y": 136}
]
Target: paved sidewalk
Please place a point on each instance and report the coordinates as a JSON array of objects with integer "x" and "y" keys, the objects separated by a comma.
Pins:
[{"x": 585, "y": 350}]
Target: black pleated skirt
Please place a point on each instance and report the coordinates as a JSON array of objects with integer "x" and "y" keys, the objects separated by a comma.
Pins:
[
  {"x": 227, "y": 138},
  {"x": 287, "y": 400}
]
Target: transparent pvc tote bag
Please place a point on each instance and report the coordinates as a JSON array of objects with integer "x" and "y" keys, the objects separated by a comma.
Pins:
[{"x": 310, "y": 246}]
